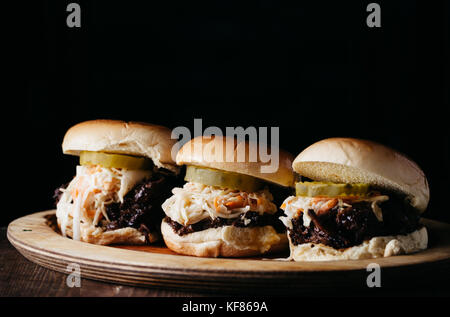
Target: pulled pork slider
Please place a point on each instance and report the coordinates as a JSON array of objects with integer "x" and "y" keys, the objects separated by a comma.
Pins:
[
  {"x": 226, "y": 208},
  {"x": 125, "y": 174},
  {"x": 361, "y": 200}
]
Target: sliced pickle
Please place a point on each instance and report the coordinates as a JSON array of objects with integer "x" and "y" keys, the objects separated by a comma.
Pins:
[
  {"x": 313, "y": 189},
  {"x": 213, "y": 177},
  {"x": 109, "y": 160}
]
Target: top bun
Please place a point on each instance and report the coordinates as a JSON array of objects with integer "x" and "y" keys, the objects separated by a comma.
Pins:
[
  {"x": 212, "y": 152},
  {"x": 115, "y": 136},
  {"x": 348, "y": 160}
]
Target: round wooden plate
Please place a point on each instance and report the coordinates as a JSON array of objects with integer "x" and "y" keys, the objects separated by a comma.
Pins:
[{"x": 157, "y": 266}]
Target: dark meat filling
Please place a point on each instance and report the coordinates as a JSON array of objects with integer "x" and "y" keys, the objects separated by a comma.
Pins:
[
  {"x": 141, "y": 208},
  {"x": 252, "y": 218},
  {"x": 346, "y": 227}
]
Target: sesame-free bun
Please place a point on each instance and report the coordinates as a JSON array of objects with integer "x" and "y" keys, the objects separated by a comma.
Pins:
[
  {"x": 226, "y": 241},
  {"x": 376, "y": 247},
  {"x": 348, "y": 160},
  {"x": 211, "y": 152},
  {"x": 91, "y": 234},
  {"x": 115, "y": 136}
]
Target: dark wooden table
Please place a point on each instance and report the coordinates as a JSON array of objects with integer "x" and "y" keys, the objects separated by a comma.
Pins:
[{"x": 20, "y": 277}]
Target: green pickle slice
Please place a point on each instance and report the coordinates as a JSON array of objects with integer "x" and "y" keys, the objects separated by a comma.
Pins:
[
  {"x": 313, "y": 189},
  {"x": 213, "y": 177},
  {"x": 110, "y": 160}
]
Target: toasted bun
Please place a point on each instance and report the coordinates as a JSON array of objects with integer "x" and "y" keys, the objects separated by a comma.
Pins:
[
  {"x": 347, "y": 160},
  {"x": 374, "y": 248},
  {"x": 227, "y": 241},
  {"x": 212, "y": 152},
  {"x": 95, "y": 235},
  {"x": 114, "y": 136}
]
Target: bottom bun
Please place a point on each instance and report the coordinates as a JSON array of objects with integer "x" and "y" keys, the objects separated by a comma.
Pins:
[
  {"x": 374, "y": 248},
  {"x": 226, "y": 241},
  {"x": 96, "y": 235}
]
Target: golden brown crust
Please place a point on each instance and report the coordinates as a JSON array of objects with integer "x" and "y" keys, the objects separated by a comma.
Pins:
[
  {"x": 349, "y": 160},
  {"x": 115, "y": 136},
  {"x": 206, "y": 152}
]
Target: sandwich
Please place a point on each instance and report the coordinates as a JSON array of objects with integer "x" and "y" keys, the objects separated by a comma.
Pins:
[
  {"x": 125, "y": 173},
  {"x": 356, "y": 199},
  {"x": 226, "y": 207}
]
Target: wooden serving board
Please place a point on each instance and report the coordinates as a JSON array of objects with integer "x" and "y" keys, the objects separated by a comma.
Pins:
[{"x": 157, "y": 266}]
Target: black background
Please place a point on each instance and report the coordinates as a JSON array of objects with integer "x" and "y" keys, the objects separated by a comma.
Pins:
[{"x": 312, "y": 68}]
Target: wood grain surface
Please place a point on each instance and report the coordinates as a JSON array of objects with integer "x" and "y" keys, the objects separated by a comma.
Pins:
[
  {"x": 20, "y": 277},
  {"x": 157, "y": 267}
]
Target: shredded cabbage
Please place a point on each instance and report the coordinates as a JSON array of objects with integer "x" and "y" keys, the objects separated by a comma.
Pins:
[
  {"x": 295, "y": 206},
  {"x": 195, "y": 202},
  {"x": 90, "y": 191}
]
